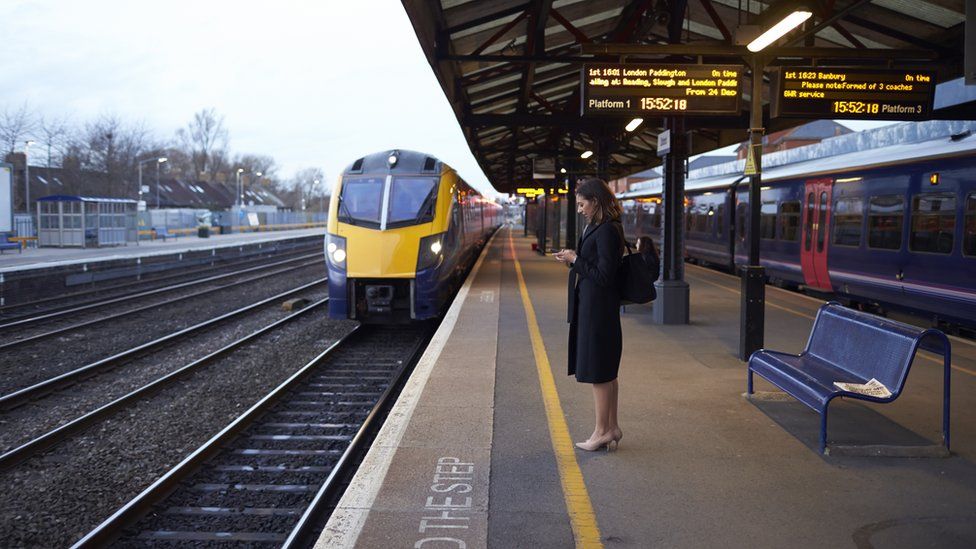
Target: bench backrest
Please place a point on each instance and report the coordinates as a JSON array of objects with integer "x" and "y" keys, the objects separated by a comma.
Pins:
[{"x": 866, "y": 345}]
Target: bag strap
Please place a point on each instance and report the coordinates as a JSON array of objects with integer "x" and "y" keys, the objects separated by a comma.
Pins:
[{"x": 620, "y": 229}]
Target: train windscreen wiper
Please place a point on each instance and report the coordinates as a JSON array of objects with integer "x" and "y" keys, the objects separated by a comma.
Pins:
[{"x": 343, "y": 208}]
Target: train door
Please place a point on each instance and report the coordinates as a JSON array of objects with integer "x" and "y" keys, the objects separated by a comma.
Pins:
[{"x": 815, "y": 240}]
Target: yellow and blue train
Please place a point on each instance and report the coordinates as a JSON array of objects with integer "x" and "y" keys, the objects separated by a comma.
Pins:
[{"x": 403, "y": 230}]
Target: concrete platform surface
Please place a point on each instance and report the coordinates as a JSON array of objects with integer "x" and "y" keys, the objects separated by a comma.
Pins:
[
  {"x": 33, "y": 258},
  {"x": 471, "y": 457}
]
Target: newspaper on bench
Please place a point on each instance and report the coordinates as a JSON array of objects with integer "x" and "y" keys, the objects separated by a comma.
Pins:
[{"x": 873, "y": 388}]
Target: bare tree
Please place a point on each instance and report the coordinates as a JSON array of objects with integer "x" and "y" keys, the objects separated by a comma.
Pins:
[
  {"x": 15, "y": 124},
  {"x": 54, "y": 131},
  {"x": 205, "y": 140},
  {"x": 308, "y": 184},
  {"x": 114, "y": 148}
]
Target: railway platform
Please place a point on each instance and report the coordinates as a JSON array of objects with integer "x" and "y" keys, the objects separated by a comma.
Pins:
[
  {"x": 36, "y": 258},
  {"x": 478, "y": 451}
]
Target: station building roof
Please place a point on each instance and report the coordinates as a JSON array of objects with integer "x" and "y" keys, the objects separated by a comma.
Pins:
[{"x": 511, "y": 68}]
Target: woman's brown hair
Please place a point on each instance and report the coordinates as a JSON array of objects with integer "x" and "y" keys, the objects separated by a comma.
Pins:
[{"x": 596, "y": 189}]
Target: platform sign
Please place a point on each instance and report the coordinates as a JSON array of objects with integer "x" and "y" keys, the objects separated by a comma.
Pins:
[
  {"x": 6, "y": 198},
  {"x": 668, "y": 90},
  {"x": 858, "y": 93}
]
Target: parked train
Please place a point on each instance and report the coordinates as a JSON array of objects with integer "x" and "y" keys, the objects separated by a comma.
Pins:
[
  {"x": 403, "y": 230},
  {"x": 882, "y": 229}
]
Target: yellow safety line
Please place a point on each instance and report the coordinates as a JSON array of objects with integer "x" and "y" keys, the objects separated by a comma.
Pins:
[
  {"x": 581, "y": 515},
  {"x": 938, "y": 361}
]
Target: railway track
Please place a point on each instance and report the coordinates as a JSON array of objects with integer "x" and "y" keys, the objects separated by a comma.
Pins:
[
  {"x": 91, "y": 310},
  {"x": 49, "y": 439},
  {"x": 268, "y": 476},
  {"x": 70, "y": 300}
]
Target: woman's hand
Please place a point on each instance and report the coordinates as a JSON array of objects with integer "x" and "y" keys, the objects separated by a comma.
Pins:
[{"x": 566, "y": 256}]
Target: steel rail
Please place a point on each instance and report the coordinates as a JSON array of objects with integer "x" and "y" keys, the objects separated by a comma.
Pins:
[
  {"x": 26, "y": 394},
  {"x": 66, "y": 430},
  {"x": 299, "y": 535},
  {"x": 106, "y": 318},
  {"x": 129, "y": 297},
  {"x": 146, "y": 282},
  {"x": 142, "y": 503}
]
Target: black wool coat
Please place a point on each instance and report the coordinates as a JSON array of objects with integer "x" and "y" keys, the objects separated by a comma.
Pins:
[{"x": 595, "y": 340}]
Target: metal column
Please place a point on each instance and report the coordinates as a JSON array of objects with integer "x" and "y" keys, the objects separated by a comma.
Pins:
[
  {"x": 753, "y": 289},
  {"x": 672, "y": 304}
]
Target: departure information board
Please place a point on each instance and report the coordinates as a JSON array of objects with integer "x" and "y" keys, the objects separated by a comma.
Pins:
[
  {"x": 668, "y": 90},
  {"x": 860, "y": 93}
]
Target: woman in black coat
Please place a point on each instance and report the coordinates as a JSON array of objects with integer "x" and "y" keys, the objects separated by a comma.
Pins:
[{"x": 595, "y": 339}]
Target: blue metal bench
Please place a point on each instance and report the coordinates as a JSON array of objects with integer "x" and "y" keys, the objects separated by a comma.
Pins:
[
  {"x": 851, "y": 346},
  {"x": 8, "y": 245},
  {"x": 163, "y": 233}
]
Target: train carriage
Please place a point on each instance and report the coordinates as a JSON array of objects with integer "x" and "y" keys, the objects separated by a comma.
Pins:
[
  {"x": 884, "y": 228},
  {"x": 403, "y": 229}
]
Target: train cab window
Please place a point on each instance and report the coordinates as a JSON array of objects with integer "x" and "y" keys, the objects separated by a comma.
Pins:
[
  {"x": 885, "y": 214},
  {"x": 848, "y": 219},
  {"x": 969, "y": 226},
  {"x": 412, "y": 200},
  {"x": 701, "y": 219},
  {"x": 789, "y": 220},
  {"x": 767, "y": 221},
  {"x": 933, "y": 223},
  {"x": 361, "y": 200}
]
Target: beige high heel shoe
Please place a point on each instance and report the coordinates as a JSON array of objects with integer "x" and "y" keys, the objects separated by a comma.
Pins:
[{"x": 610, "y": 443}]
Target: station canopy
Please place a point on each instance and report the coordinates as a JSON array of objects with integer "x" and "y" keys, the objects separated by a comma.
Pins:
[{"x": 511, "y": 69}]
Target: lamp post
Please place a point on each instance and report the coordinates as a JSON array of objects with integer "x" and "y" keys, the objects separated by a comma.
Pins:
[
  {"x": 240, "y": 190},
  {"x": 321, "y": 196},
  {"x": 27, "y": 145},
  {"x": 158, "y": 161}
]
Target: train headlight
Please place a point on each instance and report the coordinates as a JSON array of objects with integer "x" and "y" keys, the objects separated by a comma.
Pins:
[
  {"x": 429, "y": 254},
  {"x": 335, "y": 250}
]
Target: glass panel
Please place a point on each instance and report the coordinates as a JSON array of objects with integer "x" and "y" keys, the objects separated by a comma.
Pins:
[
  {"x": 885, "y": 215},
  {"x": 848, "y": 214},
  {"x": 740, "y": 221},
  {"x": 361, "y": 200},
  {"x": 969, "y": 226},
  {"x": 933, "y": 223},
  {"x": 767, "y": 221},
  {"x": 789, "y": 220},
  {"x": 822, "y": 221},
  {"x": 412, "y": 199},
  {"x": 721, "y": 220},
  {"x": 809, "y": 223}
]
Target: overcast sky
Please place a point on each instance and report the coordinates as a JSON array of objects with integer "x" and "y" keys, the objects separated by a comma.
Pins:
[{"x": 313, "y": 84}]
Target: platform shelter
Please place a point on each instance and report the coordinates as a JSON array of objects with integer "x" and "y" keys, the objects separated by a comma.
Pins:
[{"x": 86, "y": 222}]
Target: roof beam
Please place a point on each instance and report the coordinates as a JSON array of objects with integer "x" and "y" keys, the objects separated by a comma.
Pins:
[
  {"x": 501, "y": 32},
  {"x": 488, "y": 18}
]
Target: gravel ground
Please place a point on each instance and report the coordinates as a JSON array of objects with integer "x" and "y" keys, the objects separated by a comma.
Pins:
[
  {"x": 33, "y": 419},
  {"x": 150, "y": 281},
  {"x": 54, "y": 499},
  {"x": 33, "y": 363}
]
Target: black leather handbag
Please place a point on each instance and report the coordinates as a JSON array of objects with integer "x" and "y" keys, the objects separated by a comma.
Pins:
[{"x": 637, "y": 277}]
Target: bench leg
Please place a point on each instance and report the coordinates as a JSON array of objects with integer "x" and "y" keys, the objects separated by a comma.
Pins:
[
  {"x": 823, "y": 431},
  {"x": 749, "y": 382}
]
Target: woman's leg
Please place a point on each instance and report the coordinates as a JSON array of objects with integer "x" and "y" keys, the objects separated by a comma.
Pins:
[{"x": 614, "y": 392}]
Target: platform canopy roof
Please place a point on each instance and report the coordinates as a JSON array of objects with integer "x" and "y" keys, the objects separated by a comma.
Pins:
[{"x": 511, "y": 68}]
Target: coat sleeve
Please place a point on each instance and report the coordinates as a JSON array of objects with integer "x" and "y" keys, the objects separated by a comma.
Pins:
[{"x": 602, "y": 269}]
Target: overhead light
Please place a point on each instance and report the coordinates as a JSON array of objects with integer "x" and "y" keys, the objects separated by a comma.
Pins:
[
  {"x": 161, "y": 159},
  {"x": 586, "y": 154},
  {"x": 785, "y": 25},
  {"x": 240, "y": 170},
  {"x": 632, "y": 125},
  {"x": 562, "y": 170}
]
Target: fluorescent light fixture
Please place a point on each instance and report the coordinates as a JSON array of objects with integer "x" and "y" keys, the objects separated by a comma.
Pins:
[
  {"x": 562, "y": 170},
  {"x": 847, "y": 180},
  {"x": 632, "y": 125},
  {"x": 776, "y": 32},
  {"x": 586, "y": 154}
]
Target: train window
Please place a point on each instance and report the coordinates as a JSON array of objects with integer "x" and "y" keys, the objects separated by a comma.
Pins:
[
  {"x": 741, "y": 210},
  {"x": 361, "y": 200},
  {"x": 809, "y": 223},
  {"x": 688, "y": 219},
  {"x": 701, "y": 219},
  {"x": 885, "y": 214},
  {"x": 720, "y": 214},
  {"x": 789, "y": 220},
  {"x": 848, "y": 219},
  {"x": 412, "y": 199},
  {"x": 822, "y": 221},
  {"x": 710, "y": 227},
  {"x": 969, "y": 226},
  {"x": 767, "y": 220},
  {"x": 933, "y": 223}
]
